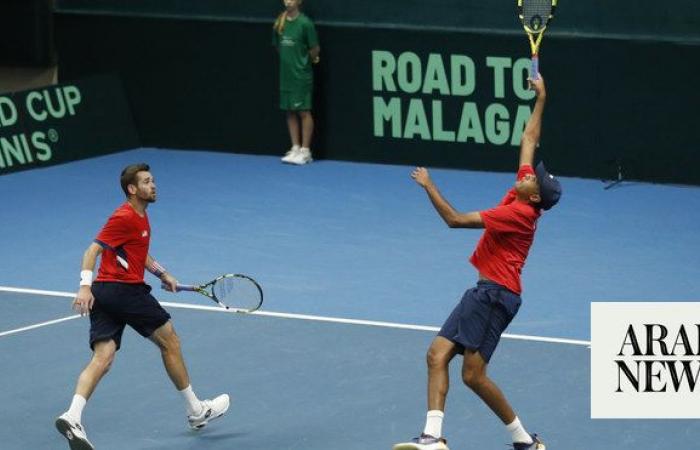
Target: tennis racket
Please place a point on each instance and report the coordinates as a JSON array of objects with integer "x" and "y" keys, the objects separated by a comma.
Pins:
[
  {"x": 535, "y": 15},
  {"x": 232, "y": 291}
]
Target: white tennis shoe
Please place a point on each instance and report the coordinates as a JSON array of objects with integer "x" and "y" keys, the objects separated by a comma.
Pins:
[
  {"x": 537, "y": 444},
  {"x": 423, "y": 442},
  {"x": 302, "y": 157},
  {"x": 72, "y": 430},
  {"x": 291, "y": 155},
  {"x": 211, "y": 409}
]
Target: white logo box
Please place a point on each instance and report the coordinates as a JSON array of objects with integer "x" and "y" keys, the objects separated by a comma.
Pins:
[{"x": 637, "y": 394}]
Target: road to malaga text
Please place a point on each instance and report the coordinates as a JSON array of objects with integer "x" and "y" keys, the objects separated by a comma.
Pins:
[{"x": 394, "y": 76}]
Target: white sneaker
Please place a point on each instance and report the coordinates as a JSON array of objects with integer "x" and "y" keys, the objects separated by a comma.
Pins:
[
  {"x": 72, "y": 430},
  {"x": 211, "y": 409},
  {"x": 291, "y": 155},
  {"x": 303, "y": 157},
  {"x": 424, "y": 442}
]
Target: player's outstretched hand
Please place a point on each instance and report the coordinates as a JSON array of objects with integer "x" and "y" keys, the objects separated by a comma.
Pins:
[
  {"x": 538, "y": 86},
  {"x": 421, "y": 175}
]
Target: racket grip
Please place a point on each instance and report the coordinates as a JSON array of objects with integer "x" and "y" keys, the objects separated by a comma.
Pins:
[
  {"x": 535, "y": 68},
  {"x": 179, "y": 287}
]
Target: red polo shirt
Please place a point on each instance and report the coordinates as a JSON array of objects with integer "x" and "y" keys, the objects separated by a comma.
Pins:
[
  {"x": 125, "y": 239},
  {"x": 509, "y": 232}
]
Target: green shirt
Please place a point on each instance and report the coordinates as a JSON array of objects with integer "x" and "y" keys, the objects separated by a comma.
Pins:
[{"x": 297, "y": 38}]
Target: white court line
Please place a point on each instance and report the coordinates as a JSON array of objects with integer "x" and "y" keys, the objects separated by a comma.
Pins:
[
  {"x": 38, "y": 325},
  {"x": 371, "y": 323}
]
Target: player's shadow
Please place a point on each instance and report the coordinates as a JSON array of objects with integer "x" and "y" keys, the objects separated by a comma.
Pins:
[{"x": 213, "y": 435}]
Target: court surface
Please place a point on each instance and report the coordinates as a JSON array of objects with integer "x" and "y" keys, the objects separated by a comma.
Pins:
[{"x": 330, "y": 240}]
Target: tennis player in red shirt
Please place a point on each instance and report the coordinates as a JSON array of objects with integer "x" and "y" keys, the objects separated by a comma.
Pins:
[
  {"x": 119, "y": 297},
  {"x": 476, "y": 324}
]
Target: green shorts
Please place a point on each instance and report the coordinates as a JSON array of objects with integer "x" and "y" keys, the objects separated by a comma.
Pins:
[{"x": 299, "y": 100}]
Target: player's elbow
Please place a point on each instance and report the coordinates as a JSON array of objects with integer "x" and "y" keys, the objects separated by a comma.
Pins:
[
  {"x": 452, "y": 223},
  {"x": 463, "y": 221},
  {"x": 453, "y": 220},
  {"x": 469, "y": 220}
]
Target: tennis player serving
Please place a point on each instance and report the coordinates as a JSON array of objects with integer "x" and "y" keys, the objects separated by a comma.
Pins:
[
  {"x": 476, "y": 324},
  {"x": 119, "y": 297}
]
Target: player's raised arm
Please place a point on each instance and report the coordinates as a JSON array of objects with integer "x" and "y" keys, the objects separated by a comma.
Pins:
[
  {"x": 452, "y": 218},
  {"x": 531, "y": 135}
]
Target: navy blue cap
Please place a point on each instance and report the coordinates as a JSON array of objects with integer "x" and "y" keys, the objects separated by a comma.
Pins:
[{"x": 550, "y": 188}]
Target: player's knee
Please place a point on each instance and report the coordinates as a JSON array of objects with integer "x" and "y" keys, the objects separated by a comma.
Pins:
[
  {"x": 473, "y": 378},
  {"x": 170, "y": 342},
  {"x": 436, "y": 359},
  {"x": 103, "y": 361}
]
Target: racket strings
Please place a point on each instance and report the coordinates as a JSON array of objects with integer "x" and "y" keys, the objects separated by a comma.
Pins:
[
  {"x": 237, "y": 292},
  {"x": 536, "y": 13}
]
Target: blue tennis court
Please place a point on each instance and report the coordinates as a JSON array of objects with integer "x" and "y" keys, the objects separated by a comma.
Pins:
[{"x": 337, "y": 247}]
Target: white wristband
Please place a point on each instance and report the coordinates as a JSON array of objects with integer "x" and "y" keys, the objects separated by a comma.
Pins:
[{"x": 86, "y": 277}]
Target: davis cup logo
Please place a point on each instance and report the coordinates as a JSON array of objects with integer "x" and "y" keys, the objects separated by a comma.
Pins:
[{"x": 645, "y": 360}]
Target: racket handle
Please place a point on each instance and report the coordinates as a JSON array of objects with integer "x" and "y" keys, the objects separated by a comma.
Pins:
[
  {"x": 535, "y": 68},
  {"x": 179, "y": 287}
]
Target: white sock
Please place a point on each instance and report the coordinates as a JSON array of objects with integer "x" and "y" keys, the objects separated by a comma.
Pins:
[
  {"x": 433, "y": 423},
  {"x": 76, "y": 407},
  {"x": 306, "y": 149},
  {"x": 295, "y": 148},
  {"x": 194, "y": 406},
  {"x": 518, "y": 432}
]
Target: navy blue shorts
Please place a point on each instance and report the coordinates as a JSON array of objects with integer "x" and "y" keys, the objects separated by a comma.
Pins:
[
  {"x": 120, "y": 304},
  {"x": 480, "y": 318}
]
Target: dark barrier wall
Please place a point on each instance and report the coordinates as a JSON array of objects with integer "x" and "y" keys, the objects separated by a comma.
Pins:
[
  {"x": 190, "y": 84},
  {"x": 27, "y": 33},
  {"x": 441, "y": 98},
  {"x": 63, "y": 123},
  {"x": 679, "y": 19}
]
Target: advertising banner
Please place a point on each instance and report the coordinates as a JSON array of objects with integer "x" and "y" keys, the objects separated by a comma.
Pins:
[{"x": 65, "y": 122}]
